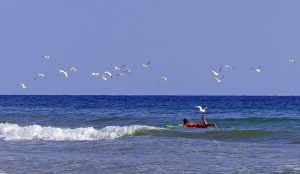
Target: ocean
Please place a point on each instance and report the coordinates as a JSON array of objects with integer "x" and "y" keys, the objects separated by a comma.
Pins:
[{"x": 127, "y": 134}]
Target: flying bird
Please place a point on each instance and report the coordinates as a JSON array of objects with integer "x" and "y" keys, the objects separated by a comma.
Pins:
[
  {"x": 95, "y": 74},
  {"x": 106, "y": 75},
  {"x": 118, "y": 68},
  {"x": 22, "y": 85},
  {"x": 292, "y": 61},
  {"x": 40, "y": 75},
  {"x": 227, "y": 66},
  {"x": 74, "y": 69},
  {"x": 126, "y": 72},
  {"x": 219, "y": 80},
  {"x": 201, "y": 109},
  {"x": 146, "y": 65},
  {"x": 163, "y": 78},
  {"x": 217, "y": 73},
  {"x": 64, "y": 73},
  {"x": 46, "y": 57},
  {"x": 258, "y": 69}
]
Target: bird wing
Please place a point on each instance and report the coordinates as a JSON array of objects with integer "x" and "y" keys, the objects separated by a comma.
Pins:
[
  {"x": 64, "y": 72},
  {"x": 199, "y": 107}
]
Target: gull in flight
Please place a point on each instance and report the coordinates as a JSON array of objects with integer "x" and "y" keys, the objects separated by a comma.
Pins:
[
  {"x": 228, "y": 66},
  {"x": 42, "y": 76},
  {"x": 46, "y": 57},
  {"x": 219, "y": 80},
  {"x": 258, "y": 69},
  {"x": 64, "y": 73},
  {"x": 118, "y": 68},
  {"x": 95, "y": 74},
  {"x": 146, "y": 65},
  {"x": 22, "y": 85},
  {"x": 217, "y": 73},
  {"x": 201, "y": 109},
  {"x": 74, "y": 69},
  {"x": 126, "y": 72},
  {"x": 292, "y": 61},
  {"x": 163, "y": 78},
  {"x": 106, "y": 75}
]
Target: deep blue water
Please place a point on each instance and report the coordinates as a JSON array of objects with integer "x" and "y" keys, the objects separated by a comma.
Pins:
[{"x": 126, "y": 134}]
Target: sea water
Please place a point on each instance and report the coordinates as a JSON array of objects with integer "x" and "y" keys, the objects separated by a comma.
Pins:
[{"x": 126, "y": 134}]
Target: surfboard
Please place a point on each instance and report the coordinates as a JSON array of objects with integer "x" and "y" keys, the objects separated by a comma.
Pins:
[{"x": 172, "y": 126}]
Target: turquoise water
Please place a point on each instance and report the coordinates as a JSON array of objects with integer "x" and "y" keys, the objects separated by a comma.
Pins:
[{"x": 126, "y": 134}]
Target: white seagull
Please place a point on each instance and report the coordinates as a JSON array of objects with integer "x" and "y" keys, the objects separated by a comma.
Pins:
[
  {"x": 40, "y": 75},
  {"x": 22, "y": 85},
  {"x": 163, "y": 78},
  {"x": 292, "y": 61},
  {"x": 95, "y": 74},
  {"x": 217, "y": 73},
  {"x": 258, "y": 69},
  {"x": 146, "y": 65},
  {"x": 64, "y": 73},
  {"x": 126, "y": 72},
  {"x": 74, "y": 69},
  {"x": 118, "y": 68},
  {"x": 228, "y": 66},
  {"x": 106, "y": 75},
  {"x": 46, "y": 57},
  {"x": 201, "y": 109},
  {"x": 219, "y": 80},
  {"x": 103, "y": 77}
]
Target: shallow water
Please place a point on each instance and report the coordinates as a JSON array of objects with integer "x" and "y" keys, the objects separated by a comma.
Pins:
[{"x": 126, "y": 134}]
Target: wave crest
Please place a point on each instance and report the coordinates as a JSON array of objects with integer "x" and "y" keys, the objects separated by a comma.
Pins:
[{"x": 36, "y": 132}]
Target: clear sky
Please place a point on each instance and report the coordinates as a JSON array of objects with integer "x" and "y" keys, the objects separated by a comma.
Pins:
[{"x": 184, "y": 39}]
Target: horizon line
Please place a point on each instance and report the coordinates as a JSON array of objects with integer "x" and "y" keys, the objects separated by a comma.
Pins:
[{"x": 180, "y": 95}]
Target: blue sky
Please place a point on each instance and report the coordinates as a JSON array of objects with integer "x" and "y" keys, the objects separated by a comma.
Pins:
[{"x": 184, "y": 40}]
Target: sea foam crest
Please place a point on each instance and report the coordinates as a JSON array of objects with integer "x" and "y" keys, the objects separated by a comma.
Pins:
[{"x": 36, "y": 132}]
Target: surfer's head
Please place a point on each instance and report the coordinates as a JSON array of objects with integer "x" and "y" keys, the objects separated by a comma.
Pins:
[{"x": 185, "y": 121}]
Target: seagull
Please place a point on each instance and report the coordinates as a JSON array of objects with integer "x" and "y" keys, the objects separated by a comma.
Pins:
[
  {"x": 103, "y": 77},
  {"x": 126, "y": 72},
  {"x": 217, "y": 73},
  {"x": 163, "y": 78},
  {"x": 258, "y": 69},
  {"x": 40, "y": 76},
  {"x": 227, "y": 66},
  {"x": 95, "y": 74},
  {"x": 64, "y": 73},
  {"x": 22, "y": 85},
  {"x": 46, "y": 57},
  {"x": 146, "y": 65},
  {"x": 106, "y": 75},
  {"x": 201, "y": 109},
  {"x": 292, "y": 61},
  {"x": 219, "y": 80},
  {"x": 74, "y": 69},
  {"x": 118, "y": 68}
]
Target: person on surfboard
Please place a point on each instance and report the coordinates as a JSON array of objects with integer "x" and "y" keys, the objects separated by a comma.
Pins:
[{"x": 189, "y": 124}]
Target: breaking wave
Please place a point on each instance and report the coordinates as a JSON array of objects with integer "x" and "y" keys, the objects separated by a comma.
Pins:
[{"x": 36, "y": 132}]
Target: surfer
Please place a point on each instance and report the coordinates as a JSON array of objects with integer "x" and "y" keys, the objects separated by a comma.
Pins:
[{"x": 187, "y": 123}]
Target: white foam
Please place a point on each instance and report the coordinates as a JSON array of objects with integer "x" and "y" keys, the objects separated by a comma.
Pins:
[{"x": 36, "y": 132}]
